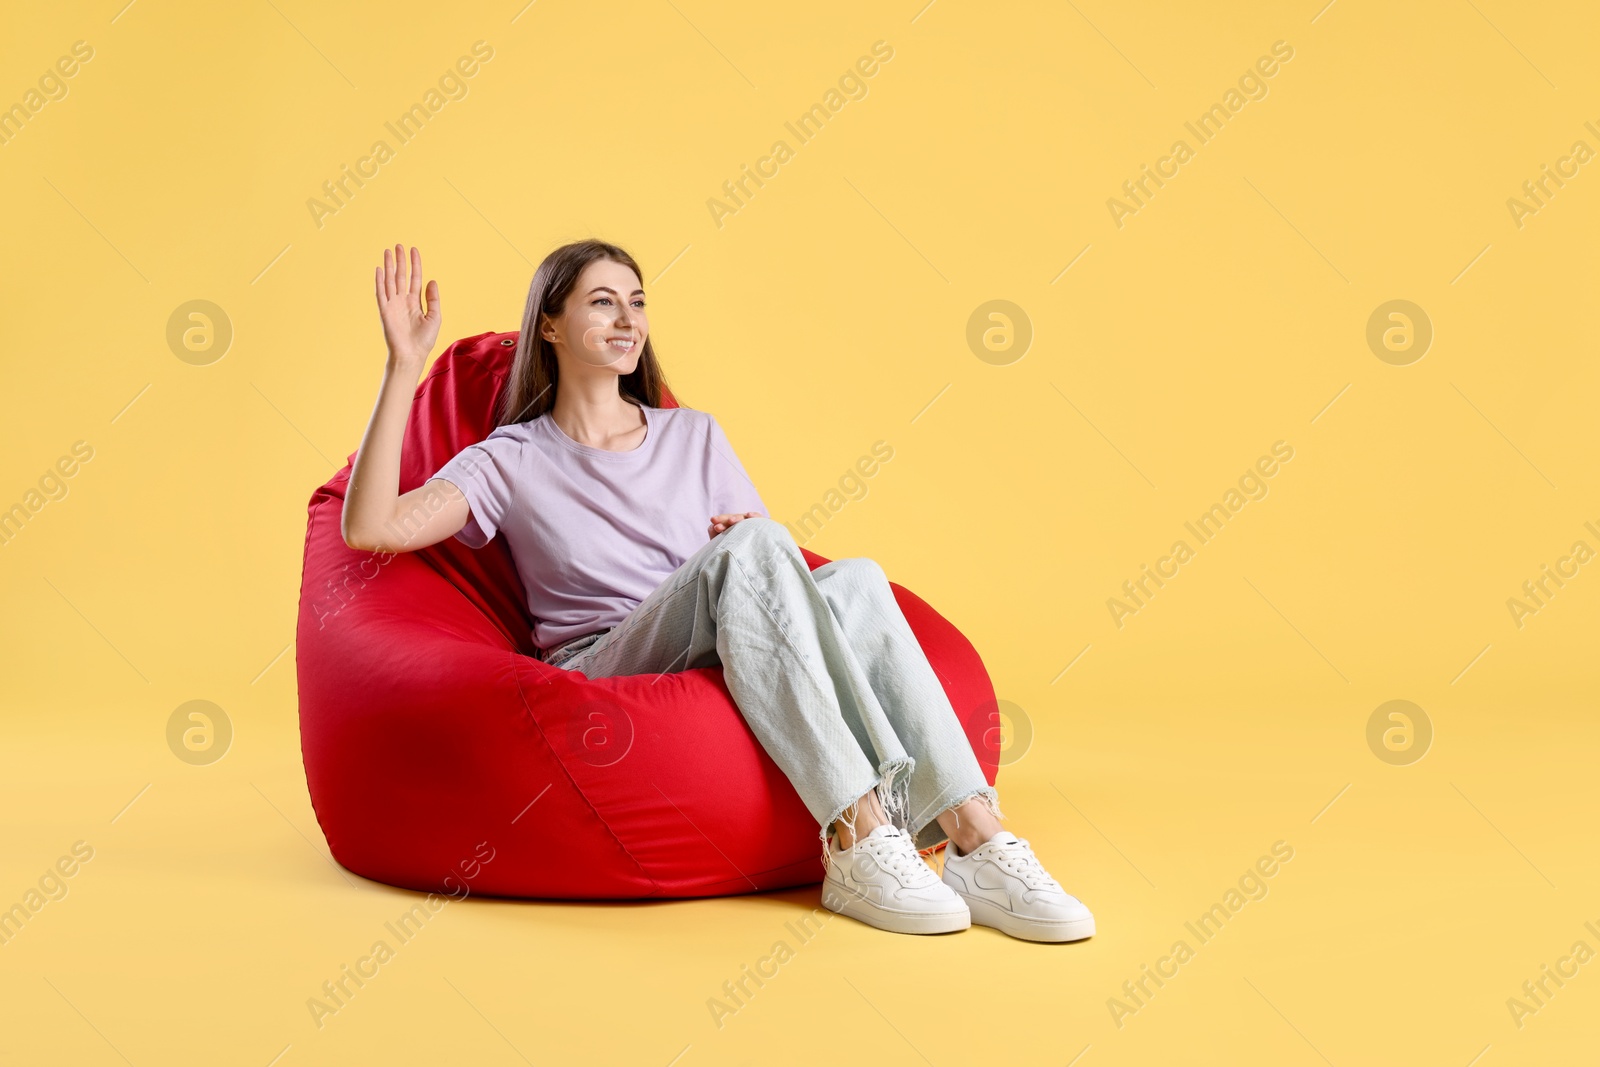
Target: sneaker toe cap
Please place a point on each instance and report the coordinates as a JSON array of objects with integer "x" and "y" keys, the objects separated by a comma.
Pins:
[{"x": 1058, "y": 907}]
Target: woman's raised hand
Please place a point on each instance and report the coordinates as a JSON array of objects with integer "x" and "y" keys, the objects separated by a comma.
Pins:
[
  {"x": 409, "y": 333},
  {"x": 719, "y": 523}
]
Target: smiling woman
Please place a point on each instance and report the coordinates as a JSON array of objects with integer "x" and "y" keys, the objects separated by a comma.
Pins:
[{"x": 601, "y": 492}]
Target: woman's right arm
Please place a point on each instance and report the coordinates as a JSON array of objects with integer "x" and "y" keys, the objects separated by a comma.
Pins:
[{"x": 376, "y": 516}]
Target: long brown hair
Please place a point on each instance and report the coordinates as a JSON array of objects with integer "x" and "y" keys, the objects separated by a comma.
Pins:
[{"x": 535, "y": 372}]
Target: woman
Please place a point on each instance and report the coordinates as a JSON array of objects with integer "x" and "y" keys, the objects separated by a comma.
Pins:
[{"x": 601, "y": 493}]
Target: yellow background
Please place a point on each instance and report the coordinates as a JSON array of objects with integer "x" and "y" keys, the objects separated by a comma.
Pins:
[{"x": 828, "y": 313}]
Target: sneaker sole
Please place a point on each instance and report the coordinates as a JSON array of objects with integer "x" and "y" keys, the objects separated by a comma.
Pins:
[
  {"x": 899, "y": 922},
  {"x": 986, "y": 914}
]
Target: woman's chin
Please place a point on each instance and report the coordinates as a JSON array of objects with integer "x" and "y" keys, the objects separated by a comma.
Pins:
[{"x": 621, "y": 362}]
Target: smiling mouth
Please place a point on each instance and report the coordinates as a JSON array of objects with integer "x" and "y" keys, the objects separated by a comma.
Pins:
[{"x": 621, "y": 345}]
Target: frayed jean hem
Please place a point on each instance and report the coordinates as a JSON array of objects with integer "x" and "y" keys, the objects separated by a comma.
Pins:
[
  {"x": 894, "y": 794},
  {"x": 893, "y": 789}
]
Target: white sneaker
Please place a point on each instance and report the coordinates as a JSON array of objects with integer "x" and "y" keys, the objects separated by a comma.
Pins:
[
  {"x": 1005, "y": 887},
  {"x": 881, "y": 881}
]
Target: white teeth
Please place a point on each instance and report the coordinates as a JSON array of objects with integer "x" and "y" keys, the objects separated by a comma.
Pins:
[{"x": 626, "y": 346}]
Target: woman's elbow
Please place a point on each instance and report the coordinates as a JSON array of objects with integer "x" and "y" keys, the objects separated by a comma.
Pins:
[{"x": 360, "y": 540}]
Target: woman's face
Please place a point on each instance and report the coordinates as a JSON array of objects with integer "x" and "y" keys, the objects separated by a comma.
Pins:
[{"x": 603, "y": 324}]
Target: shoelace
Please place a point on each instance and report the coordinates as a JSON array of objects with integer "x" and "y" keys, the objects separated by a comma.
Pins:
[
  {"x": 893, "y": 852},
  {"x": 1018, "y": 858}
]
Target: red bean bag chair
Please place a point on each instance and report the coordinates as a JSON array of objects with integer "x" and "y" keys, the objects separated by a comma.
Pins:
[{"x": 442, "y": 756}]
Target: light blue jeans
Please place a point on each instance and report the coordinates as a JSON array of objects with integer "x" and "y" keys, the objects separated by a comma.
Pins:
[{"x": 822, "y": 665}]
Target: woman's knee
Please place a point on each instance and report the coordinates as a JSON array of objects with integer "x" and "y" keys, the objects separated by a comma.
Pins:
[
  {"x": 870, "y": 569},
  {"x": 861, "y": 571},
  {"x": 759, "y": 534}
]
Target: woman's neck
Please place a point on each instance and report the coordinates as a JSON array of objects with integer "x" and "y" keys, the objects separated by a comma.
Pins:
[{"x": 598, "y": 418}]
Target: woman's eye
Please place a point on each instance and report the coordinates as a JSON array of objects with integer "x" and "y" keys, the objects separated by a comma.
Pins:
[{"x": 603, "y": 300}]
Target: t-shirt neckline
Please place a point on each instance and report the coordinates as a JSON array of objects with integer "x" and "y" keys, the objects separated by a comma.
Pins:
[{"x": 590, "y": 450}]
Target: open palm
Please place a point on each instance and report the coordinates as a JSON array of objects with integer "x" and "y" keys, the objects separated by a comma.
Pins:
[{"x": 409, "y": 332}]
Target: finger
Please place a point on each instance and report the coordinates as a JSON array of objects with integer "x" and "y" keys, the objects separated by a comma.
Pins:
[
  {"x": 399, "y": 269},
  {"x": 388, "y": 275},
  {"x": 416, "y": 273},
  {"x": 433, "y": 300},
  {"x": 377, "y": 285}
]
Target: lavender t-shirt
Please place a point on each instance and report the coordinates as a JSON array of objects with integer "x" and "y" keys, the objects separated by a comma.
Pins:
[{"x": 594, "y": 532}]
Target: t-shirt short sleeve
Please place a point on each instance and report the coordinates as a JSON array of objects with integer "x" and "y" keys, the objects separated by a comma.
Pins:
[
  {"x": 486, "y": 474},
  {"x": 732, "y": 491}
]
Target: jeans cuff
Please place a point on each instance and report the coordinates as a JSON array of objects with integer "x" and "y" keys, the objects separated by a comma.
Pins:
[
  {"x": 894, "y": 794},
  {"x": 930, "y": 833}
]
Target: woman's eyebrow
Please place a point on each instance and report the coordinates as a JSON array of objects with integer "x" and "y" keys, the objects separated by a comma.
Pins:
[{"x": 613, "y": 292}]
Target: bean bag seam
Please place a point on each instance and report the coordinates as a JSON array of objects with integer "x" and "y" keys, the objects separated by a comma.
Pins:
[{"x": 523, "y": 697}]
